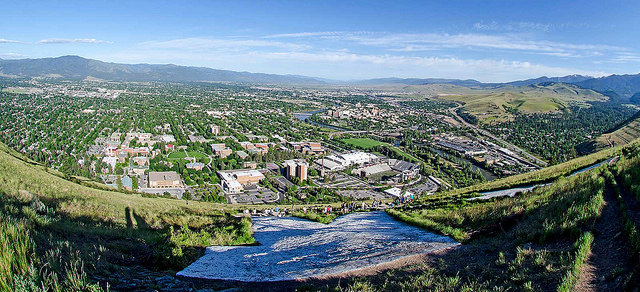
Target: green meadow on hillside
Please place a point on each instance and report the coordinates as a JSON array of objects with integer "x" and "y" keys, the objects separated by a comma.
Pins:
[
  {"x": 549, "y": 239},
  {"x": 66, "y": 236},
  {"x": 620, "y": 136},
  {"x": 499, "y": 104}
]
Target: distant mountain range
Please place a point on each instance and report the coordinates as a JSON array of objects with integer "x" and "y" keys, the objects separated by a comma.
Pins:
[
  {"x": 544, "y": 79},
  {"x": 621, "y": 87},
  {"x": 74, "y": 67},
  {"x": 624, "y": 85},
  {"x": 418, "y": 81}
]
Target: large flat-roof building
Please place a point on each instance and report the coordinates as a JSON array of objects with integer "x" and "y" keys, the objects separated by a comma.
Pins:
[
  {"x": 342, "y": 161},
  {"x": 233, "y": 181},
  {"x": 164, "y": 179},
  {"x": 221, "y": 150}
]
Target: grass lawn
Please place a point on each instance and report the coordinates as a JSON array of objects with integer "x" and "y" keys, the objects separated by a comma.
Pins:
[
  {"x": 365, "y": 143},
  {"x": 177, "y": 154},
  {"x": 196, "y": 154},
  {"x": 181, "y": 154}
]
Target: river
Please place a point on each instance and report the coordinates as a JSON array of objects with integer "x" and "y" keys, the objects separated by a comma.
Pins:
[
  {"x": 305, "y": 116},
  {"x": 523, "y": 189}
]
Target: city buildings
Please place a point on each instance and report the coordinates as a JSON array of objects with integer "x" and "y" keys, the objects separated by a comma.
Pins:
[
  {"x": 296, "y": 168},
  {"x": 234, "y": 181},
  {"x": 342, "y": 161},
  {"x": 307, "y": 147},
  {"x": 215, "y": 129},
  {"x": 221, "y": 150},
  {"x": 195, "y": 165},
  {"x": 164, "y": 179}
]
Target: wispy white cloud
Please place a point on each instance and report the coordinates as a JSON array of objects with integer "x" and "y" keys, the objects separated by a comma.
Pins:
[
  {"x": 70, "y": 41},
  {"x": 484, "y": 69},
  {"x": 347, "y": 65},
  {"x": 6, "y": 41},
  {"x": 407, "y": 42},
  {"x": 12, "y": 56},
  {"x": 226, "y": 44},
  {"x": 625, "y": 58},
  {"x": 526, "y": 26},
  {"x": 304, "y": 34},
  {"x": 362, "y": 54},
  {"x": 512, "y": 26}
]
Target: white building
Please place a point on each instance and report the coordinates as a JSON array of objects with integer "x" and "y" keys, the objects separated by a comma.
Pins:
[
  {"x": 111, "y": 161},
  {"x": 398, "y": 193},
  {"x": 342, "y": 161},
  {"x": 167, "y": 138},
  {"x": 232, "y": 181}
]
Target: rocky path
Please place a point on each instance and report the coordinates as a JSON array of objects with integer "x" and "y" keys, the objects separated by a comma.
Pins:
[{"x": 295, "y": 249}]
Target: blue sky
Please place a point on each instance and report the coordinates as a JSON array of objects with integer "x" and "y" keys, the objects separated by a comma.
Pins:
[{"x": 485, "y": 40}]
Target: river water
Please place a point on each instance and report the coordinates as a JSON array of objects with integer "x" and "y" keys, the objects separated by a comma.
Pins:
[
  {"x": 293, "y": 248},
  {"x": 523, "y": 189},
  {"x": 305, "y": 116}
]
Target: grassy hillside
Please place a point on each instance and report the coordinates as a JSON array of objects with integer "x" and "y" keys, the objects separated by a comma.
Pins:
[
  {"x": 579, "y": 232},
  {"x": 73, "y": 237},
  {"x": 622, "y": 135},
  {"x": 498, "y": 104},
  {"x": 65, "y": 236}
]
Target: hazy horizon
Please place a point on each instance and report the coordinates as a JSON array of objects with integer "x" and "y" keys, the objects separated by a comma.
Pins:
[{"x": 485, "y": 41}]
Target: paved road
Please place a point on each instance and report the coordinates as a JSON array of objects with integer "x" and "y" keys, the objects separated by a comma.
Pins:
[{"x": 512, "y": 147}]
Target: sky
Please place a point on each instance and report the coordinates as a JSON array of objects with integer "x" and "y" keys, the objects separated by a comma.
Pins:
[{"x": 490, "y": 41}]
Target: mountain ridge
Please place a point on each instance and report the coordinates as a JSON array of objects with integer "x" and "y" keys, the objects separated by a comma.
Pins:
[
  {"x": 619, "y": 87},
  {"x": 75, "y": 67}
]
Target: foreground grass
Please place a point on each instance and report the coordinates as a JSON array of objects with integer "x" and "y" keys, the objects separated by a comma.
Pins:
[
  {"x": 534, "y": 241},
  {"x": 552, "y": 210},
  {"x": 582, "y": 247},
  {"x": 531, "y": 242},
  {"x": 63, "y": 232}
]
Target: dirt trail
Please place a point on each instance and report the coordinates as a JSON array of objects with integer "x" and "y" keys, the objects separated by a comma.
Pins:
[{"x": 608, "y": 257}]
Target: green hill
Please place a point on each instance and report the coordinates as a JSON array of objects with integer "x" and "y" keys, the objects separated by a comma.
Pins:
[
  {"x": 555, "y": 238},
  {"x": 499, "y": 104},
  {"x": 70, "y": 234},
  {"x": 621, "y": 135},
  {"x": 64, "y": 236}
]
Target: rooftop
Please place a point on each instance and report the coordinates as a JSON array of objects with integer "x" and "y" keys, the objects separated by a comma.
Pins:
[{"x": 163, "y": 175}]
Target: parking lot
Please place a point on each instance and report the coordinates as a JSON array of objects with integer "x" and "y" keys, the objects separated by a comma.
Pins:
[
  {"x": 342, "y": 181},
  {"x": 254, "y": 195}
]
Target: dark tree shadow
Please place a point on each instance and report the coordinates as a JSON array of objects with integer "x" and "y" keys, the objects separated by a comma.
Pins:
[
  {"x": 140, "y": 222},
  {"x": 127, "y": 217}
]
